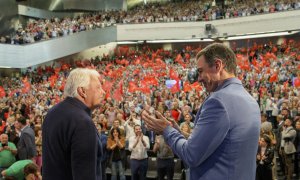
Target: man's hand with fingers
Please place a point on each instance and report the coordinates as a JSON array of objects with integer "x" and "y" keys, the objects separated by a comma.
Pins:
[{"x": 156, "y": 124}]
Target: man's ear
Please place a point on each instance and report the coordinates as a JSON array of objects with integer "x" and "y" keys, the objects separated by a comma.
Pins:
[
  {"x": 219, "y": 64},
  {"x": 81, "y": 92}
]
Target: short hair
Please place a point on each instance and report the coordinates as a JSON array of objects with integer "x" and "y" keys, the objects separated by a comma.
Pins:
[
  {"x": 22, "y": 120},
  {"x": 1, "y": 135},
  {"x": 189, "y": 115},
  {"x": 264, "y": 115},
  {"x": 30, "y": 168},
  {"x": 219, "y": 51},
  {"x": 136, "y": 126},
  {"x": 79, "y": 77}
]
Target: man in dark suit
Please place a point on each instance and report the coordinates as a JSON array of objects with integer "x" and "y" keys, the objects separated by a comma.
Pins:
[
  {"x": 71, "y": 144},
  {"x": 26, "y": 145}
]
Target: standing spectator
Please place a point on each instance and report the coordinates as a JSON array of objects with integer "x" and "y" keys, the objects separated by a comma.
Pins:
[
  {"x": 264, "y": 158},
  {"x": 116, "y": 144},
  {"x": 103, "y": 121},
  {"x": 116, "y": 124},
  {"x": 187, "y": 120},
  {"x": 279, "y": 145},
  {"x": 8, "y": 151},
  {"x": 297, "y": 146},
  {"x": 111, "y": 114},
  {"x": 129, "y": 125},
  {"x": 38, "y": 142},
  {"x": 288, "y": 150},
  {"x": 26, "y": 145},
  {"x": 265, "y": 126},
  {"x": 175, "y": 112},
  {"x": 186, "y": 130},
  {"x": 105, "y": 155},
  {"x": 138, "y": 145},
  {"x": 71, "y": 144},
  {"x": 165, "y": 159}
]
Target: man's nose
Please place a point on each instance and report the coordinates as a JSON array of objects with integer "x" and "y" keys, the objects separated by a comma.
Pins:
[
  {"x": 102, "y": 91},
  {"x": 200, "y": 79}
]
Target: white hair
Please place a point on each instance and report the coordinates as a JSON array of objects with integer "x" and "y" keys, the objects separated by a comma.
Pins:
[{"x": 79, "y": 77}]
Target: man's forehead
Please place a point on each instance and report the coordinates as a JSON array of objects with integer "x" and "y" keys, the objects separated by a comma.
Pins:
[
  {"x": 201, "y": 62},
  {"x": 3, "y": 136}
]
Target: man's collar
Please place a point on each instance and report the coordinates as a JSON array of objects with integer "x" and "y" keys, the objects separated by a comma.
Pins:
[
  {"x": 227, "y": 82},
  {"x": 79, "y": 104},
  {"x": 24, "y": 128}
]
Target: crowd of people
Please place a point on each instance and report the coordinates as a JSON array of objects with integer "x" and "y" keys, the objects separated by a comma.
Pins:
[
  {"x": 43, "y": 29},
  {"x": 133, "y": 79}
]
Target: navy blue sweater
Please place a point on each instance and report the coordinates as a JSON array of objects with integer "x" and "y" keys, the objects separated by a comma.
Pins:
[{"x": 71, "y": 144}]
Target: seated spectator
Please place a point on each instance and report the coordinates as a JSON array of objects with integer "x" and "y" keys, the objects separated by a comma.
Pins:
[{"x": 2, "y": 39}]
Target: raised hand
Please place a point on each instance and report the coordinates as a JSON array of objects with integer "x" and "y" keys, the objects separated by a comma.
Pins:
[{"x": 156, "y": 124}]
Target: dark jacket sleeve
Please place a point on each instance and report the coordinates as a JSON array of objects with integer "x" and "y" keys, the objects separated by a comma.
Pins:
[{"x": 84, "y": 151}]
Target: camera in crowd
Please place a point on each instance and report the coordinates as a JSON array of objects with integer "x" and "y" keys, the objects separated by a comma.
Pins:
[
  {"x": 193, "y": 75},
  {"x": 287, "y": 139}
]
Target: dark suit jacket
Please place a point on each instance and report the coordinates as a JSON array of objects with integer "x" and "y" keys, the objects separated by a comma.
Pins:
[
  {"x": 26, "y": 145},
  {"x": 71, "y": 144}
]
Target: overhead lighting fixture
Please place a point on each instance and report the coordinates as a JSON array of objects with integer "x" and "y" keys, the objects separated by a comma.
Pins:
[
  {"x": 180, "y": 40},
  {"x": 129, "y": 42},
  {"x": 259, "y": 35},
  {"x": 6, "y": 67}
]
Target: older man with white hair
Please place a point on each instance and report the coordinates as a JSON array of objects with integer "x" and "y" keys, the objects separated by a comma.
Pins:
[{"x": 71, "y": 144}]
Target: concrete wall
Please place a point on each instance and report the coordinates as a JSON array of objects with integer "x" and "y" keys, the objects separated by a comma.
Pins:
[
  {"x": 185, "y": 30},
  {"x": 93, "y": 5},
  {"x": 28, "y": 55}
]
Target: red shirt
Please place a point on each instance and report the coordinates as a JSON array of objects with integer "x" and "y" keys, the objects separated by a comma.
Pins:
[
  {"x": 175, "y": 114},
  {"x": 2, "y": 127}
]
